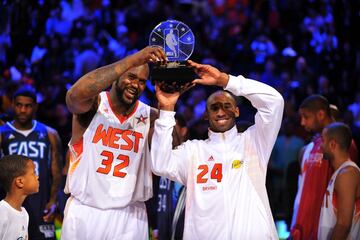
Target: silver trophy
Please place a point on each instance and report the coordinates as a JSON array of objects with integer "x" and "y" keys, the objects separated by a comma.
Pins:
[{"x": 178, "y": 41}]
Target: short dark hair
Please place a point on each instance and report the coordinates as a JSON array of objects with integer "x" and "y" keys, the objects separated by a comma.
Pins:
[
  {"x": 341, "y": 133},
  {"x": 12, "y": 166},
  {"x": 316, "y": 102},
  {"x": 230, "y": 94},
  {"x": 26, "y": 91}
]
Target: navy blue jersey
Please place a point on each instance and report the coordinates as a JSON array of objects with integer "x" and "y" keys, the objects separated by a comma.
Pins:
[
  {"x": 165, "y": 208},
  {"x": 167, "y": 198},
  {"x": 36, "y": 146}
]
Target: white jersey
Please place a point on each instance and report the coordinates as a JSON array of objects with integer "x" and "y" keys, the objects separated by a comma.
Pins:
[
  {"x": 225, "y": 175},
  {"x": 109, "y": 166},
  {"x": 13, "y": 223},
  {"x": 329, "y": 208}
]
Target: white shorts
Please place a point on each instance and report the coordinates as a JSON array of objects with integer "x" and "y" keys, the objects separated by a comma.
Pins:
[{"x": 85, "y": 222}]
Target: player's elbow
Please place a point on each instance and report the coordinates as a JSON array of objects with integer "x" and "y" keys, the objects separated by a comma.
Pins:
[
  {"x": 71, "y": 98},
  {"x": 76, "y": 103},
  {"x": 279, "y": 101}
]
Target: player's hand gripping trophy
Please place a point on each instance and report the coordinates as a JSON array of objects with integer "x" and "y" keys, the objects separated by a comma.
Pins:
[{"x": 178, "y": 41}]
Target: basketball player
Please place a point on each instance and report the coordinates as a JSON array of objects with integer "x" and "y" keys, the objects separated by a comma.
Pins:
[
  {"x": 316, "y": 171},
  {"x": 28, "y": 137},
  {"x": 109, "y": 176},
  {"x": 340, "y": 211},
  {"x": 225, "y": 174}
]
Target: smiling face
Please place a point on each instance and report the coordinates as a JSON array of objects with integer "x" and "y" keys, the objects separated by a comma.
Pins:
[
  {"x": 131, "y": 85},
  {"x": 221, "y": 111}
]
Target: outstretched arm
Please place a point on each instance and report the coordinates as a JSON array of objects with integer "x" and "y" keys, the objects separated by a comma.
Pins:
[
  {"x": 82, "y": 95},
  {"x": 165, "y": 161}
]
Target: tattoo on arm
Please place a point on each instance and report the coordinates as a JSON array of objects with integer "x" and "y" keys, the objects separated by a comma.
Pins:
[{"x": 103, "y": 77}]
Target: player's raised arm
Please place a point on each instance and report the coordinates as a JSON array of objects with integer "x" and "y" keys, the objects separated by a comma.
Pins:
[{"x": 82, "y": 95}]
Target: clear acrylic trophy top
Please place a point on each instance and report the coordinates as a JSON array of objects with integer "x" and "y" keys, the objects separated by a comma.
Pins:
[
  {"x": 175, "y": 37},
  {"x": 178, "y": 41}
]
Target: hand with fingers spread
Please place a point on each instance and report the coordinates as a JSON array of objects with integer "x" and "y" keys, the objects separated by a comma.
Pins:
[
  {"x": 167, "y": 100},
  {"x": 148, "y": 54},
  {"x": 209, "y": 75}
]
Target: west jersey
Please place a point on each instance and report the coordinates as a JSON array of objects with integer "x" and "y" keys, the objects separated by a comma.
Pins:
[
  {"x": 329, "y": 210},
  {"x": 225, "y": 175},
  {"x": 34, "y": 144},
  {"x": 109, "y": 166}
]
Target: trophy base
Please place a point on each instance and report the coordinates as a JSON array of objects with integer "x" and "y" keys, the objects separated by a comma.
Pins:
[{"x": 172, "y": 76}]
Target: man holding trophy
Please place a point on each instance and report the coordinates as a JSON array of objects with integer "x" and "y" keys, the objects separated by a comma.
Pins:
[
  {"x": 109, "y": 176},
  {"x": 225, "y": 174}
]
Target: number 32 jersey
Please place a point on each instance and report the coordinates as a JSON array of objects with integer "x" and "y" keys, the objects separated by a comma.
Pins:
[{"x": 109, "y": 166}]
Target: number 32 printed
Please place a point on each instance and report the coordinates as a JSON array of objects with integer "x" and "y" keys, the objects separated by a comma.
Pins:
[{"x": 107, "y": 163}]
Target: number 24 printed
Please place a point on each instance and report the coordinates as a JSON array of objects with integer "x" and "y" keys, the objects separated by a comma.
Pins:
[{"x": 216, "y": 173}]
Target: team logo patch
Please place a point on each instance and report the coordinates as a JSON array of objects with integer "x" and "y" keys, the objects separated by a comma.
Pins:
[
  {"x": 237, "y": 164},
  {"x": 142, "y": 119},
  {"x": 211, "y": 158}
]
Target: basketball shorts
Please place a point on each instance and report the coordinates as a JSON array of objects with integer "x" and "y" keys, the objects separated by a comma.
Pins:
[{"x": 85, "y": 222}]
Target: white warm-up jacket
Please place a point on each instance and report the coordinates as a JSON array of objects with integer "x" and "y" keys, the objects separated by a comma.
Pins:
[{"x": 224, "y": 174}]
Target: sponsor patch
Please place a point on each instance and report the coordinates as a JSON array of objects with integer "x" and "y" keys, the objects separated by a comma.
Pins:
[{"x": 237, "y": 164}]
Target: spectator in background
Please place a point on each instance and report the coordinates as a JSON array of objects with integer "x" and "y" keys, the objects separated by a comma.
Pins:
[
  {"x": 355, "y": 109},
  {"x": 284, "y": 153},
  {"x": 87, "y": 60},
  {"x": 55, "y": 24},
  {"x": 262, "y": 47},
  {"x": 269, "y": 76}
]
